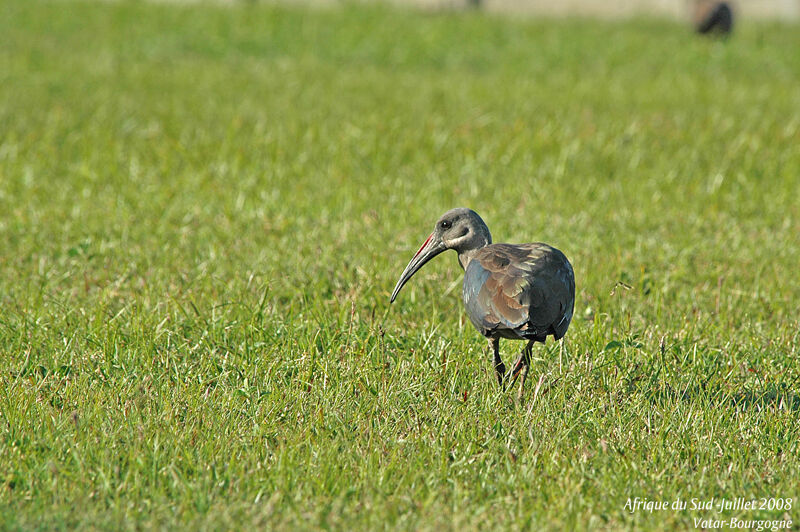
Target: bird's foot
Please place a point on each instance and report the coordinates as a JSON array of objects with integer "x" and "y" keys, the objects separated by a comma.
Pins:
[{"x": 521, "y": 391}]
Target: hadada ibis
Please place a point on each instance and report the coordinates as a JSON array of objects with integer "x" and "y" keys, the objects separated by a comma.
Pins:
[
  {"x": 512, "y": 291},
  {"x": 712, "y": 17}
]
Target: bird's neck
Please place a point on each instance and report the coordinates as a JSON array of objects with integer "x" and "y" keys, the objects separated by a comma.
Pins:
[{"x": 465, "y": 256}]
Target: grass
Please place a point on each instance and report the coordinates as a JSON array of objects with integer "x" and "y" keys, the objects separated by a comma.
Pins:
[{"x": 203, "y": 210}]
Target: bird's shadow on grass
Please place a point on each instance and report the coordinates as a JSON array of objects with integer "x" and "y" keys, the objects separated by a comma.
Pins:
[{"x": 778, "y": 395}]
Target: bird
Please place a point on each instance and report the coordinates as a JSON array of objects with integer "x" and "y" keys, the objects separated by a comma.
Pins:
[
  {"x": 510, "y": 291},
  {"x": 712, "y": 17}
]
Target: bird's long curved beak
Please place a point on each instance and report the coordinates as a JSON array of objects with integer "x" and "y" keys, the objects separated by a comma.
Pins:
[{"x": 432, "y": 247}]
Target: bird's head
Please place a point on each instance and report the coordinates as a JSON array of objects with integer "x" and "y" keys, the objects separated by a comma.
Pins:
[{"x": 459, "y": 229}]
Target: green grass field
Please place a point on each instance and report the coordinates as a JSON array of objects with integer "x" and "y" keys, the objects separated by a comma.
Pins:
[{"x": 203, "y": 211}]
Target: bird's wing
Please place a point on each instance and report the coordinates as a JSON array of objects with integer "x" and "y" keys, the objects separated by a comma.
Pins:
[{"x": 527, "y": 288}]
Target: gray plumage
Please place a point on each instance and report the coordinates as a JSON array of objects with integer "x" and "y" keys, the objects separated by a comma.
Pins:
[{"x": 520, "y": 292}]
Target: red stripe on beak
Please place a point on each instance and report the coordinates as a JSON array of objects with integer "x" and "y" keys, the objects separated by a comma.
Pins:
[{"x": 423, "y": 245}]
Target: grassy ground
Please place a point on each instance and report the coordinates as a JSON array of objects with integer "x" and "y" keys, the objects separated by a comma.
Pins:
[{"x": 203, "y": 211}]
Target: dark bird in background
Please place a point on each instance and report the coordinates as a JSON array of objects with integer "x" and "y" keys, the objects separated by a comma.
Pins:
[
  {"x": 710, "y": 17},
  {"x": 512, "y": 291}
]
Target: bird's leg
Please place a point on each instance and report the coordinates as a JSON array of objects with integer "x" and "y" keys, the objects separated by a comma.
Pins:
[
  {"x": 497, "y": 362},
  {"x": 522, "y": 367}
]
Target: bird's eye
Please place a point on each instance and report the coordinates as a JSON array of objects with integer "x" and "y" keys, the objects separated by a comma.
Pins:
[{"x": 445, "y": 224}]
